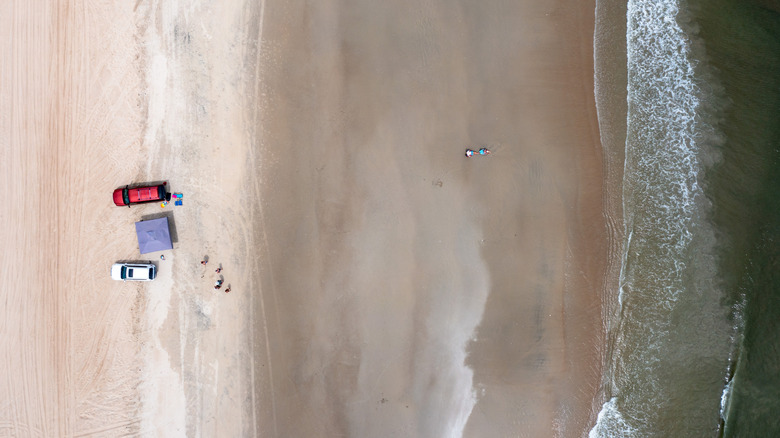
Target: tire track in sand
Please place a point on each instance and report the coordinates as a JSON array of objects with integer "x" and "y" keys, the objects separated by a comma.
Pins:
[{"x": 255, "y": 166}]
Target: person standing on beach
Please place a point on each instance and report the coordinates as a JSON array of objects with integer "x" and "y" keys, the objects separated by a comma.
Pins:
[{"x": 227, "y": 290}]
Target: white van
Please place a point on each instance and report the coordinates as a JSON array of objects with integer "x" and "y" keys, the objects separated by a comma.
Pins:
[{"x": 134, "y": 271}]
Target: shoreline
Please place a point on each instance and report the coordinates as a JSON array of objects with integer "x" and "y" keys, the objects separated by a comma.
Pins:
[{"x": 611, "y": 102}]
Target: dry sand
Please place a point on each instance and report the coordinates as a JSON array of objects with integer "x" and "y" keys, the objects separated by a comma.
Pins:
[
  {"x": 69, "y": 339},
  {"x": 382, "y": 283},
  {"x": 99, "y": 96}
]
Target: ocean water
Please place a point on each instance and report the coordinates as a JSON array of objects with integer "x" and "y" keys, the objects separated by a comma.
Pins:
[{"x": 693, "y": 324}]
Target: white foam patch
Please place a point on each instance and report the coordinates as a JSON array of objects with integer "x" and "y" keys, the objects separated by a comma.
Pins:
[
  {"x": 668, "y": 145},
  {"x": 611, "y": 423},
  {"x": 725, "y": 397}
]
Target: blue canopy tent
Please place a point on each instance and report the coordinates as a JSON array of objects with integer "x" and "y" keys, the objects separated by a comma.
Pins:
[{"x": 153, "y": 235}]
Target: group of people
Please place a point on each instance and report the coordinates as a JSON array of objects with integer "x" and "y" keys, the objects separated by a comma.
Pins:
[
  {"x": 218, "y": 284},
  {"x": 480, "y": 151}
]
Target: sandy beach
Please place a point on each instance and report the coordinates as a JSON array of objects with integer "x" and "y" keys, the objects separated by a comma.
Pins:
[{"x": 382, "y": 284}]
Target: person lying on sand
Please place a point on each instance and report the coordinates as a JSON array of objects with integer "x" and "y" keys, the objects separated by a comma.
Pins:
[{"x": 481, "y": 151}]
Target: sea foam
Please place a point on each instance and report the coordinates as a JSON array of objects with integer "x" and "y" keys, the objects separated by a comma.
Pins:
[{"x": 668, "y": 244}]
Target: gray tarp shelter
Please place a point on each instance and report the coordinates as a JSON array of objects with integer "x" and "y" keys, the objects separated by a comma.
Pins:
[{"x": 153, "y": 235}]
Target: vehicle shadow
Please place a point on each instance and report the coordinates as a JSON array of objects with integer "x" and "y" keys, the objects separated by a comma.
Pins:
[
  {"x": 137, "y": 262},
  {"x": 147, "y": 184}
]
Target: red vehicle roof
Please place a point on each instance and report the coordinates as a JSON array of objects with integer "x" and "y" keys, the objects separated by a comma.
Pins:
[
  {"x": 146, "y": 194},
  {"x": 139, "y": 195}
]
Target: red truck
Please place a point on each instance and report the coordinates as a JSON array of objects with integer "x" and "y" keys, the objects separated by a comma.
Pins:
[{"x": 139, "y": 195}]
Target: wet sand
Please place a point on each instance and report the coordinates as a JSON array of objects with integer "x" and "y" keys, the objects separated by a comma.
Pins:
[
  {"x": 417, "y": 292},
  {"x": 382, "y": 284}
]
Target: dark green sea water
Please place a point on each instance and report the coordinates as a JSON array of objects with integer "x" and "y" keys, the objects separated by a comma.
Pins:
[
  {"x": 742, "y": 41},
  {"x": 694, "y": 327}
]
